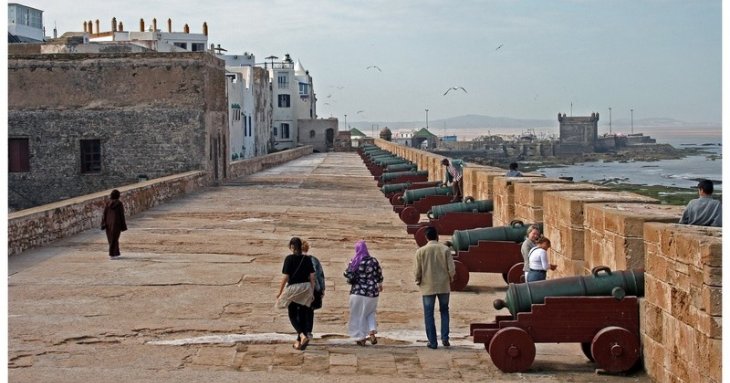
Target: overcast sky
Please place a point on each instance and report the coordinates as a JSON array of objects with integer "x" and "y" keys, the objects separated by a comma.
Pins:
[{"x": 663, "y": 58}]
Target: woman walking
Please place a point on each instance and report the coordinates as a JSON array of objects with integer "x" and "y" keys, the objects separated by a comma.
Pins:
[
  {"x": 538, "y": 261},
  {"x": 318, "y": 286},
  {"x": 297, "y": 297},
  {"x": 367, "y": 284},
  {"x": 113, "y": 222}
]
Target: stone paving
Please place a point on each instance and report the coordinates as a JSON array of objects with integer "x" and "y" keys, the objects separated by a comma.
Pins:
[{"x": 192, "y": 297}]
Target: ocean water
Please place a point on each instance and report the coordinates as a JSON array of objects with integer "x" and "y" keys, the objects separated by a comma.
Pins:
[{"x": 678, "y": 173}]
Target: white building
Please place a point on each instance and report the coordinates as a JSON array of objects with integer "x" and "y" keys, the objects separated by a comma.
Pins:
[
  {"x": 25, "y": 23},
  {"x": 150, "y": 36},
  {"x": 284, "y": 93},
  {"x": 249, "y": 136},
  {"x": 306, "y": 104}
]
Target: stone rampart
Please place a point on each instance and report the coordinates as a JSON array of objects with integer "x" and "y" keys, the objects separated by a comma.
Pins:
[
  {"x": 256, "y": 164},
  {"x": 589, "y": 225},
  {"x": 503, "y": 194}
]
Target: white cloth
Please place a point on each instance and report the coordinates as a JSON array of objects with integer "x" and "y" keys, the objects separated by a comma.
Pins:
[
  {"x": 299, "y": 293},
  {"x": 538, "y": 259},
  {"x": 362, "y": 316}
]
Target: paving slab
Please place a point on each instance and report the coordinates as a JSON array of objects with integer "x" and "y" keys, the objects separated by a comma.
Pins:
[{"x": 192, "y": 298}]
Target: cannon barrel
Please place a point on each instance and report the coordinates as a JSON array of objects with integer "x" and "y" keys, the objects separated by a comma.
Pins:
[
  {"x": 393, "y": 188},
  {"x": 400, "y": 167},
  {"x": 393, "y": 175},
  {"x": 480, "y": 206},
  {"x": 384, "y": 161},
  {"x": 412, "y": 195},
  {"x": 602, "y": 282},
  {"x": 381, "y": 157},
  {"x": 515, "y": 232}
]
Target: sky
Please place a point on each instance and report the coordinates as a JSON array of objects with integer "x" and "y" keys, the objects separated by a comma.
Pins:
[{"x": 519, "y": 59}]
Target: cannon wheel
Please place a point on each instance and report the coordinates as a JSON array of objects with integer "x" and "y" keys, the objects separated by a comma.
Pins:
[
  {"x": 461, "y": 279},
  {"x": 420, "y": 236},
  {"x": 395, "y": 199},
  {"x": 512, "y": 349},
  {"x": 409, "y": 215},
  {"x": 516, "y": 274},
  {"x": 615, "y": 349},
  {"x": 586, "y": 348}
]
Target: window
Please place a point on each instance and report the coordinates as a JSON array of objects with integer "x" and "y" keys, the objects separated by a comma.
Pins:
[
  {"x": 303, "y": 89},
  {"x": 197, "y": 47},
  {"x": 245, "y": 126},
  {"x": 311, "y": 133},
  {"x": 19, "y": 152},
  {"x": 276, "y": 132},
  {"x": 181, "y": 45},
  {"x": 284, "y": 130},
  {"x": 283, "y": 80},
  {"x": 249, "y": 125},
  {"x": 236, "y": 113},
  {"x": 284, "y": 101},
  {"x": 90, "y": 156}
]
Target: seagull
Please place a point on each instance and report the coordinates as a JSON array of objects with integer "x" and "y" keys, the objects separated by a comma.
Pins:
[
  {"x": 500, "y": 46},
  {"x": 374, "y": 67},
  {"x": 359, "y": 111},
  {"x": 329, "y": 96},
  {"x": 326, "y": 103},
  {"x": 455, "y": 88}
]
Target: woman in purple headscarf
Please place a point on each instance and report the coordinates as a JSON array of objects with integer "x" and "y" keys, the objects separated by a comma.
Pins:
[{"x": 367, "y": 283}]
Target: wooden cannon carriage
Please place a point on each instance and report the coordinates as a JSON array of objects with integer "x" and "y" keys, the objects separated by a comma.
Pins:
[{"x": 450, "y": 217}]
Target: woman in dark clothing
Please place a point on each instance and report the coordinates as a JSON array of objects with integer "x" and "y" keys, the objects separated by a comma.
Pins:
[
  {"x": 298, "y": 296},
  {"x": 112, "y": 220}
]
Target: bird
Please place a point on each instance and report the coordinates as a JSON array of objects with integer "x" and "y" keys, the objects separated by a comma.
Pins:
[
  {"x": 326, "y": 103},
  {"x": 359, "y": 111},
  {"x": 374, "y": 67},
  {"x": 500, "y": 46},
  {"x": 455, "y": 88}
]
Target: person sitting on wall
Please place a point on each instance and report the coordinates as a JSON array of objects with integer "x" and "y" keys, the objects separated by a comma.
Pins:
[
  {"x": 705, "y": 210},
  {"x": 513, "y": 172},
  {"x": 454, "y": 174}
]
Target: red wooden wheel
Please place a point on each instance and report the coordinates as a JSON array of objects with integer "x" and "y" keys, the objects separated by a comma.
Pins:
[
  {"x": 516, "y": 274},
  {"x": 615, "y": 349},
  {"x": 512, "y": 349},
  {"x": 396, "y": 199},
  {"x": 586, "y": 348},
  {"x": 461, "y": 279},
  {"x": 420, "y": 236},
  {"x": 409, "y": 215}
]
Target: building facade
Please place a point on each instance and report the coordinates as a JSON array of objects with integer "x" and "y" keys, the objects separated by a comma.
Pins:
[{"x": 25, "y": 23}]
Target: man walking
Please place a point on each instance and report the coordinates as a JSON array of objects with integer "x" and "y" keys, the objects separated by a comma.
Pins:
[{"x": 434, "y": 270}]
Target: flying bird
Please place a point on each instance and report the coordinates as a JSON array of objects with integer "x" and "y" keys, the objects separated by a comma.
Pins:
[
  {"x": 359, "y": 111},
  {"x": 500, "y": 46},
  {"x": 374, "y": 67},
  {"x": 455, "y": 88}
]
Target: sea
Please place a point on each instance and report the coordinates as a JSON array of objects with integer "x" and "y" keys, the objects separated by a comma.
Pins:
[{"x": 683, "y": 173}]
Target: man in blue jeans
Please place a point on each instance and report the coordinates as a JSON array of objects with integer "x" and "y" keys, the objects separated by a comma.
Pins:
[{"x": 434, "y": 270}]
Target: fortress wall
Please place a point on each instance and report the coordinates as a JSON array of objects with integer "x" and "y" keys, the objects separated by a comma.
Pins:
[
  {"x": 564, "y": 225},
  {"x": 681, "y": 314},
  {"x": 529, "y": 197},
  {"x": 614, "y": 232},
  {"x": 504, "y": 195},
  {"x": 257, "y": 164}
]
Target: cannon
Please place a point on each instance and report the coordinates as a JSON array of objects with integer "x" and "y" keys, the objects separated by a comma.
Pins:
[
  {"x": 400, "y": 177},
  {"x": 400, "y": 167},
  {"x": 489, "y": 250},
  {"x": 450, "y": 217},
  {"x": 394, "y": 192},
  {"x": 593, "y": 310},
  {"x": 391, "y": 165},
  {"x": 420, "y": 201}
]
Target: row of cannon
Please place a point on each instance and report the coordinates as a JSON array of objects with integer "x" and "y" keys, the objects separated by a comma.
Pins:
[{"x": 599, "y": 311}]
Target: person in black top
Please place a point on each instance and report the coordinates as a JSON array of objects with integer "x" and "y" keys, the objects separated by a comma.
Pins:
[{"x": 298, "y": 296}]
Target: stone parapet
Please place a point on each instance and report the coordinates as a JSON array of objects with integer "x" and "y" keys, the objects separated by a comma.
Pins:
[
  {"x": 564, "y": 225},
  {"x": 43, "y": 224},
  {"x": 681, "y": 316},
  {"x": 614, "y": 232},
  {"x": 503, "y": 194},
  {"x": 257, "y": 164},
  {"x": 529, "y": 197}
]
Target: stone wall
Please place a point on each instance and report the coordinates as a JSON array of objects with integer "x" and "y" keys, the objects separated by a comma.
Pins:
[
  {"x": 503, "y": 194},
  {"x": 153, "y": 114},
  {"x": 681, "y": 327},
  {"x": 314, "y": 132},
  {"x": 589, "y": 225},
  {"x": 43, "y": 224},
  {"x": 256, "y": 164}
]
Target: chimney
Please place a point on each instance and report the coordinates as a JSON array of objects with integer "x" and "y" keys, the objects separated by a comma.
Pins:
[
  {"x": 114, "y": 24},
  {"x": 91, "y": 27},
  {"x": 121, "y": 27},
  {"x": 141, "y": 25},
  {"x": 97, "y": 26},
  {"x": 205, "y": 28},
  {"x": 85, "y": 30},
  {"x": 169, "y": 25},
  {"x": 154, "y": 25},
  {"x": 186, "y": 29}
]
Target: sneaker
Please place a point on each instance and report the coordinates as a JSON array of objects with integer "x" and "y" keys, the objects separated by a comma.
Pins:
[
  {"x": 446, "y": 343},
  {"x": 432, "y": 346}
]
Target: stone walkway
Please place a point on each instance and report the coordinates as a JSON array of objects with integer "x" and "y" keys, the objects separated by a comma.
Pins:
[{"x": 192, "y": 297}]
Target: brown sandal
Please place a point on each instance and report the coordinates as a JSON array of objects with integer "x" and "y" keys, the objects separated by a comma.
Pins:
[
  {"x": 297, "y": 345},
  {"x": 303, "y": 345},
  {"x": 360, "y": 342},
  {"x": 373, "y": 339}
]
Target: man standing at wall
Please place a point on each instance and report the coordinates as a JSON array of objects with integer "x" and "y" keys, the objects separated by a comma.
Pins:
[
  {"x": 434, "y": 270},
  {"x": 454, "y": 173},
  {"x": 533, "y": 234},
  {"x": 703, "y": 211}
]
